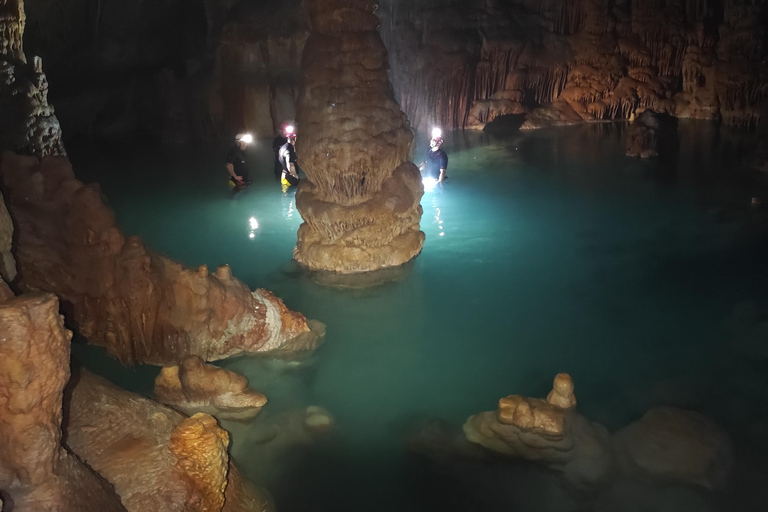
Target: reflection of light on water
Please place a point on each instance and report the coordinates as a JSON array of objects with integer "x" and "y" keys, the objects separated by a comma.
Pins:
[
  {"x": 254, "y": 224},
  {"x": 289, "y": 211},
  {"x": 439, "y": 221},
  {"x": 429, "y": 184}
]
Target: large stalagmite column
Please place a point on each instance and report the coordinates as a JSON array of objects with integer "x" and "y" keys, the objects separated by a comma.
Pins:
[{"x": 360, "y": 204}]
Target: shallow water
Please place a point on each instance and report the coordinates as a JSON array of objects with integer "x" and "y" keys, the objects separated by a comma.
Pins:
[{"x": 546, "y": 252}]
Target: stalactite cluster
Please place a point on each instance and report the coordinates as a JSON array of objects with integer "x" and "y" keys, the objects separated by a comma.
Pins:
[
  {"x": 360, "y": 204},
  {"x": 575, "y": 60}
]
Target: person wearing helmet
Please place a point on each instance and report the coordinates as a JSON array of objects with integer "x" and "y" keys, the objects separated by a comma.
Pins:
[
  {"x": 236, "y": 161},
  {"x": 436, "y": 163},
  {"x": 286, "y": 155}
]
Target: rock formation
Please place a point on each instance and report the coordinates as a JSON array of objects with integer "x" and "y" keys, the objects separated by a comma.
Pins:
[
  {"x": 550, "y": 432},
  {"x": 156, "y": 458},
  {"x": 673, "y": 445},
  {"x": 668, "y": 444},
  {"x": 360, "y": 203},
  {"x": 7, "y": 262},
  {"x": 36, "y": 471},
  {"x": 194, "y": 386},
  {"x": 649, "y": 134},
  {"x": 577, "y": 60},
  {"x": 140, "y": 305}
]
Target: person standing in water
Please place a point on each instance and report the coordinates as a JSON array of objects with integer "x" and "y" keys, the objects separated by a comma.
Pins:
[
  {"x": 436, "y": 163},
  {"x": 286, "y": 155},
  {"x": 236, "y": 161}
]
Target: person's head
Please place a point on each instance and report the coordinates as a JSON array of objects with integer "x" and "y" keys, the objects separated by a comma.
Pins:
[
  {"x": 437, "y": 139},
  {"x": 243, "y": 139},
  {"x": 289, "y": 132}
]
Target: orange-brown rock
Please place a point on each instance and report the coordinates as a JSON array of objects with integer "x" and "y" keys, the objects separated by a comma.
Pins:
[
  {"x": 360, "y": 203},
  {"x": 141, "y": 306},
  {"x": 36, "y": 471},
  {"x": 607, "y": 60},
  {"x": 194, "y": 386},
  {"x": 549, "y": 433},
  {"x": 156, "y": 458}
]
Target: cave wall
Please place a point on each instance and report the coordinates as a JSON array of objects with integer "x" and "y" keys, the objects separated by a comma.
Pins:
[{"x": 462, "y": 63}]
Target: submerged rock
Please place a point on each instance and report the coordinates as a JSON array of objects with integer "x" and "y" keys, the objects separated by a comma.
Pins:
[
  {"x": 194, "y": 386},
  {"x": 676, "y": 445},
  {"x": 156, "y": 458},
  {"x": 141, "y": 306},
  {"x": 36, "y": 471}
]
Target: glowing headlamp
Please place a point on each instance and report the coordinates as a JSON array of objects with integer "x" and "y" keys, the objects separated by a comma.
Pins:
[
  {"x": 437, "y": 133},
  {"x": 290, "y": 131},
  {"x": 245, "y": 137},
  {"x": 429, "y": 184}
]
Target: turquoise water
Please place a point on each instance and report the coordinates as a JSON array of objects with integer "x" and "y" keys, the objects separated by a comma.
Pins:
[{"x": 546, "y": 252}]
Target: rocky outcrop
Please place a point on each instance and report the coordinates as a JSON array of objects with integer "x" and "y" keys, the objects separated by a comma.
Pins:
[
  {"x": 194, "y": 386},
  {"x": 156, "y": 458},
  {"x": 649, "y": 134},
  {"x": 604, "y": 60},
  {"x": 12, "y": 21},
  {"x": 668, "y": 444},
  {"x": 360, "y": 203},
  {"x": 550, "y": 432},
  {"x": 36, "y": 471},
  {"x": 141, "y": 306}
]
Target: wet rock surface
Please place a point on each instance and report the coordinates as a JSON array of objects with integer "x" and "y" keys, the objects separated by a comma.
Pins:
[
  {"x": 36, "y": 471},
  {"x": 194, "y": 386},
  {"x": 140, "y": 305},
  {"x": 360, "y": 203},
  {"x": 651, "y": 134},
  {"x": 156, "y": 458}
]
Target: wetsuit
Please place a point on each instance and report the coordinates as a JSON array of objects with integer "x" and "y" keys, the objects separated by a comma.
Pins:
[
  {"x": 236, "y": 157},
  {"x": 286, "y": 156},
  {"x": 278, "y": 143},
  {"x": 435, "y": 161}
]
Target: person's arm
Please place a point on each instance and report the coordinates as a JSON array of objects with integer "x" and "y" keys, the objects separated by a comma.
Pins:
[
  {"x": 442, "y": 176},
  {"x": 231, "y": 171}
]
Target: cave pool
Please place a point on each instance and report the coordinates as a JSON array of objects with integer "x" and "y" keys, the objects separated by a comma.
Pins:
[{"x": 545, "y": 252}]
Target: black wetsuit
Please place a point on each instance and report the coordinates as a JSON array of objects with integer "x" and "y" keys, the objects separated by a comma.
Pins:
[
  {"x": 287, "y": 155},
  {"x": 436, "y": 160},
  {"x": 236, "y": 157},
  {"x": 278, "y": 143}
]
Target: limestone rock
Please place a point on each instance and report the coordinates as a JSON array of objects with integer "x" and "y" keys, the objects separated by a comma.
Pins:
[
  {"x": 542, "y": 431},
  {"x": 156, "y": 458},
  {"x": 36, "y": 472},
  {"x": 141, "y": 306},
  {"x": 607, "y": 60},
  {"x": 676, "y": 445},
  {"x": 194, "y": 386},
  {"x": 360, "y": 203},
  {"x": 7, "y": 262}
]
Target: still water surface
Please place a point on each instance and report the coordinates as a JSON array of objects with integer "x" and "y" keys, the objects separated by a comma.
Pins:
[{"x": 545, "y": 252}]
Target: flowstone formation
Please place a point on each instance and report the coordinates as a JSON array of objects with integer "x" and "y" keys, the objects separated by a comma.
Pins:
[
  {"x": 360, "y": 203},
  {"x": 561, "y": 62},
  {"x": 141, "y": 306},
  {"x": 194, "y": 386},
  {"x": 36, "y": 471},
  {"x": 550, "y": 432},
  {"x": 667, "y": 445},
  {"x": 156, "y": 458}
]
